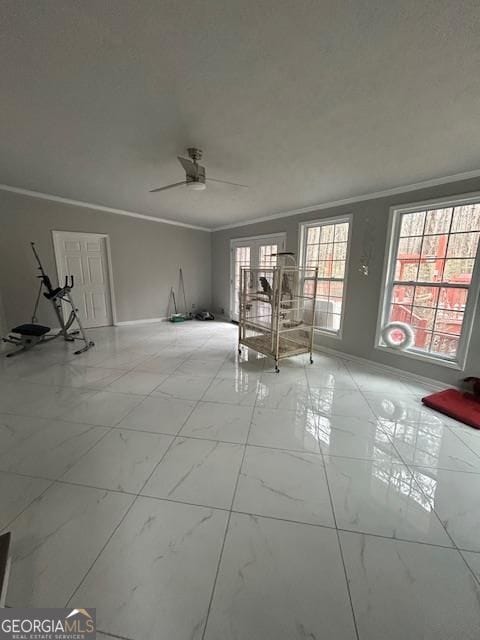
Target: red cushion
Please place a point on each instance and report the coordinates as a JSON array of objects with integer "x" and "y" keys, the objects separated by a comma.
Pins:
[{"x": 464, "y": 407}]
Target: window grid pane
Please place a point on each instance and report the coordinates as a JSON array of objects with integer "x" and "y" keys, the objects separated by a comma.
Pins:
[
  {"x": 434, "y": 248},
  {"x": 242, "y": 259},
  {"x": 268, "y": 256},
  {"x": 326, "y": 248}
]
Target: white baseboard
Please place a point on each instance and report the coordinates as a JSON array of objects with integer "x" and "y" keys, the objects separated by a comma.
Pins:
[
  {"x": 143, "y": 321},
  {"x": 436, "y": 384}
]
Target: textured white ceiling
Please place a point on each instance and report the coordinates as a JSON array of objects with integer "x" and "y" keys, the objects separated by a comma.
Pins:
[{"x": 305, "y": 101}]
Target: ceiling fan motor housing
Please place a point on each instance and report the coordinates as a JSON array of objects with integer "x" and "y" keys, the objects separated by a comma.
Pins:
[
  {"x": 195, "y": 175},
  {"x": 194, "y": 153}
]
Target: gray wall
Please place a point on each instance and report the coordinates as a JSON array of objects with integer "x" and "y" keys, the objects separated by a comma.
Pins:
[
  {"x": 363, "y": 293},
  {"x": 146, "y": 257},
  {"x": 3, "y": 322}
]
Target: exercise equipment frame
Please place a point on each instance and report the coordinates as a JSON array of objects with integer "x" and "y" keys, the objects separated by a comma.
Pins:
[{"x": 29, "y": 335}]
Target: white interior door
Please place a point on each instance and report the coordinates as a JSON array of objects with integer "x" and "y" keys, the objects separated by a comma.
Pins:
[
  {"x": 251, "y": 252},
  {"x": 84, "y": 255}
]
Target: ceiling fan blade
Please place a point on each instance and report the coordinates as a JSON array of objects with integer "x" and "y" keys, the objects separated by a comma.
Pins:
[
  {"x": 169, "y": 186},
  {"x": 235, "y": 184}
]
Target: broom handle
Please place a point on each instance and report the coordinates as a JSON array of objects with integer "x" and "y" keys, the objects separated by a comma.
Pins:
[
  {"x": 182, "y": 285},
  {"x": 170, "y": 298}
]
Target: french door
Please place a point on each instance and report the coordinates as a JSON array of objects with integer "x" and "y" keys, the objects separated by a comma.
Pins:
[{"x": 254, "y": 252}]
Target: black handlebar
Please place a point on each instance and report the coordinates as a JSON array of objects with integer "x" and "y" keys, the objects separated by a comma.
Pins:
[{"x": 51, "y": 292}]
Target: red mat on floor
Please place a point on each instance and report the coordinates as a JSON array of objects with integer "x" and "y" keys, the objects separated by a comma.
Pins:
[{"x": 464, "y": 407}]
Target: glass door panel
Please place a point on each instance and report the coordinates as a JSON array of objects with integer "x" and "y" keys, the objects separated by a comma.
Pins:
[{"x": 255, "y": 253}]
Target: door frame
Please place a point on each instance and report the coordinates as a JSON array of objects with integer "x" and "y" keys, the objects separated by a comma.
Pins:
[
  {"x": 56, "y": 235},
  {"x": 247, "y": 240}
]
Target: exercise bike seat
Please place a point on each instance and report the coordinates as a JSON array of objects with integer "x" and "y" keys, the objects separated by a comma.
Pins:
[{"x": 36, "y": 330}]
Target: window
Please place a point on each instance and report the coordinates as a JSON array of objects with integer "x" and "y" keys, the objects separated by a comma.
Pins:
[
  {"x": 431, "y": 277},
  {"x": 268, "y": 255},
  {"x": 325, "y": 245}
]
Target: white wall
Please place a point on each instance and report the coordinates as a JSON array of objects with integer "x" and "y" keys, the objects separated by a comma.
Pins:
[
  {"x": 146, "y": 257},
  {"x": 3, "y": 323}
]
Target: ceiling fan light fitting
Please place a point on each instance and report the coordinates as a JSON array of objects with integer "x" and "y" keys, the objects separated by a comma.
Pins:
[{"x": 196, "y": 186}]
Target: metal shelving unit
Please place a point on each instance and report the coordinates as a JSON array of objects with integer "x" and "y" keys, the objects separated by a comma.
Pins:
[{"x": 277, "y": 311}]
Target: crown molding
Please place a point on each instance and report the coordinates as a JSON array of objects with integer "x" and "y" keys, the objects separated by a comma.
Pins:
[
  {"x": 98, "y": 207},
  {"x": 434, "y": 182},
  {"x": 457, "y": 177}
]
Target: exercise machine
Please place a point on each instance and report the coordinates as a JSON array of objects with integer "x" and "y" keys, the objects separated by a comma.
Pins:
[
  {"x": 5, "y": 562},
  {"x": 27, "y": 336}
]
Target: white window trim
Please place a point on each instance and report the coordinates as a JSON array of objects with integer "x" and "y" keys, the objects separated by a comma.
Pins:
[
  {"x": 388, "y": 271},
  {"x": 302, "y": 234}
]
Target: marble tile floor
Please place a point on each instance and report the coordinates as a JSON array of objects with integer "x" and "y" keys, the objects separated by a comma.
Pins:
[{"x": 189, "y": 493}]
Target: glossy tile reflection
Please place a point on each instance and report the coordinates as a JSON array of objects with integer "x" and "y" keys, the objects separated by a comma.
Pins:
[
  {"x": 382, "y": 497},
  {"x": 403, "y": 590},
  {"x": 232, "y": 391},
  {"x": 284, "y": 484},
  {"x": 293, "y": 396},
  {"x": 277, "y": 428},
  {"x": 187, "y": 491},
  {"x": 354, "y": 437},
  {"x": 339, "y": 402},
  {"x": 456, "y": 499},
  {"x": 197, "y": 471},
  {"x": 263, "y": 591},
  {"x": 214, "y": 421},
  {"x": 430, "y": 444},
  {"x": 169, "y": 555},
  {"x": 56, "y": 539}
]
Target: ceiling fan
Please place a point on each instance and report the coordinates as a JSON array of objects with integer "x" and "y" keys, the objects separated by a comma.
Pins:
[{"x": 195, "y": 178}]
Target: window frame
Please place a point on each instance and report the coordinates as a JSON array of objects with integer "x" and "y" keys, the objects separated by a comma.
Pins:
[
  {"x": 302, "y": 246},
  {"x": 393, "y": 237}
]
